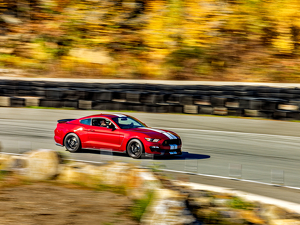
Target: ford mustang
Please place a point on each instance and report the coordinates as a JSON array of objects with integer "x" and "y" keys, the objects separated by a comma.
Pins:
[{"x": 116, "y": 132}]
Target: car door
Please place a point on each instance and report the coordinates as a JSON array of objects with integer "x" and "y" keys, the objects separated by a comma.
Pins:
[
  {"x": 101, "y": 137},
  {"x": 86, "y": 126}
]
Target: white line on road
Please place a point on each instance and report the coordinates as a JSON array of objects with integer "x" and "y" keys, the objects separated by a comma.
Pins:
[
  {"x": 185, "y": 172},
  {"x": 234, "y": 133}
]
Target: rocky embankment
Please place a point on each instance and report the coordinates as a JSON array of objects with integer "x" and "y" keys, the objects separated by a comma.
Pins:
[{"x": 170, "y": 203}]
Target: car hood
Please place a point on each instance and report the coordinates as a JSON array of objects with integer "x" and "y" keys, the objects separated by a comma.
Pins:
[{"x": 156, "y": 133}]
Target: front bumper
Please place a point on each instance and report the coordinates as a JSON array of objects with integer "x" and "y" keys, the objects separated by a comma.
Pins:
[{"x": 164, "y": 150}]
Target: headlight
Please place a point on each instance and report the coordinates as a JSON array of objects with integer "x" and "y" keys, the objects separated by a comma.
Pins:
[{"x": 152, "y": 140}]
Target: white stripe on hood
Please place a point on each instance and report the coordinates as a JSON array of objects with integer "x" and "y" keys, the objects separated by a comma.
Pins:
[{"x": 168, "y": 134}]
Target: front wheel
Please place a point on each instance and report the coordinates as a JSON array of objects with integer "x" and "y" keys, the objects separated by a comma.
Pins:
[
  {"x": 72, "y": 142},
  {"x": 135, "y": 148}
]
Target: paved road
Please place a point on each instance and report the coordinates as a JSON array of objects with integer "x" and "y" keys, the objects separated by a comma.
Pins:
[{"x": 247, "y": 148}]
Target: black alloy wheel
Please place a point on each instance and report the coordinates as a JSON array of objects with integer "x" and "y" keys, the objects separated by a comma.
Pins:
[
  {"x": 135, "y": 148},
  {"x": 72, "y": 142}
]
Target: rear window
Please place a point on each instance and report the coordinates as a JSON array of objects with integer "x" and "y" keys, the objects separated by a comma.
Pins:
[{"x": 86, "y": 121}]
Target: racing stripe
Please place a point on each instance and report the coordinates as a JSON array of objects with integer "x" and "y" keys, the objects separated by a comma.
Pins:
[
  {"x": 168, "y": 135},
  {"x": 159, "y": 131},
  {"x": 174, "y": 137},
  {"x": 119, "y": 115}
]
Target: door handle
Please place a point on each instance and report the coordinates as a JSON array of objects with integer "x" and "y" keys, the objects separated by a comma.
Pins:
[{"x": 91, "y": 130}]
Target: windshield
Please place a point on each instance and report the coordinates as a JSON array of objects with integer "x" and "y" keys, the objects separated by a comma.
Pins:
[{"x": 127, "y": 122}]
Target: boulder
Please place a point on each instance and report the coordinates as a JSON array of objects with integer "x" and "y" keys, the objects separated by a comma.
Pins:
[
  {"x": 140, "y": 182},
  {"x": 91, "y": 56},
  {"x": 251, "y": 217},
  {"x": 42, "y": 164},
  {"x": 5, "y": 161},
  {"x": 112, "y": 174},
  {"x": 272, "y": 212},
  {"x": 220, "y": 202},
  {"x": 12, "y": 162},
  {"x": 115, "y": 174},
  {"x": 200, "y": 202},
  {"x": 80, "y": 173},
  {"x": 167, "y": 208}
]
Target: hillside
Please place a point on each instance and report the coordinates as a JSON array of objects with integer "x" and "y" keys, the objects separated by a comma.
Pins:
[{"x": 230, "y": 40}]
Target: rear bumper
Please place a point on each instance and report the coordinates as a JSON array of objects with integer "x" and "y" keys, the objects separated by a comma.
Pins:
[{"x": 58, "y": 140}]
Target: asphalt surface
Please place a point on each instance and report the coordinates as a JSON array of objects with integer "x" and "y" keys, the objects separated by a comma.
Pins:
[{"x": 257, "y": 150}]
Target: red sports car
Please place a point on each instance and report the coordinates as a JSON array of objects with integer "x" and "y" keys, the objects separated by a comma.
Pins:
[{"x": 116, "y": 132}]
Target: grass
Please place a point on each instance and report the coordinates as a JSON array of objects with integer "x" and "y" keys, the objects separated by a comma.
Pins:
[
  {"x": 64, "y": 156},
  {"x": 140, "y": 205},
  {"x": 238, "y": 203},
  {"x": 3, "y": 174},
  {"x": 115, "y": 189},
  {"x": 157, "y": 167},
  {"x": 102, "y": 187}
]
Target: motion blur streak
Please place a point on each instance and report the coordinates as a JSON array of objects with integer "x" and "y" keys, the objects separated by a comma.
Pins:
[{"x": 232, "y": 40}]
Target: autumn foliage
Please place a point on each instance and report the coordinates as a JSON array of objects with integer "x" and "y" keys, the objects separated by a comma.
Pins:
[{"x": 233, "y": 40}]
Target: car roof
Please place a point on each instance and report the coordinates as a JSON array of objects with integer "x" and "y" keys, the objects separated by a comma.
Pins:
[{"x": 111, "y": 116}]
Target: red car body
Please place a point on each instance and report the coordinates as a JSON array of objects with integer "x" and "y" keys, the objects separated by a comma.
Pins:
[{"x": 93, "y": 136}]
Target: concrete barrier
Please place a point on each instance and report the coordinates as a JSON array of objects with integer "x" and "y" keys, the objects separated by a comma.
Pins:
[{"x": 234, "y": 100}]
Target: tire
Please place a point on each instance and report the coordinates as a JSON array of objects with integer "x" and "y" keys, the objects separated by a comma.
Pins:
[
  {"x": 135, "y": 148},
  {"x": 72, "y": 142}
]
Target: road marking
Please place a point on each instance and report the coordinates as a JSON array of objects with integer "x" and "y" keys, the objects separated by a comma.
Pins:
[{"x": 235, "y": 133}]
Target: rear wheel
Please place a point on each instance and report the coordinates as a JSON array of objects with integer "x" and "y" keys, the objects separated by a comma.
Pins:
[
  {"x": 72, "y": 142},
  {"x": 135, "y": 148}
]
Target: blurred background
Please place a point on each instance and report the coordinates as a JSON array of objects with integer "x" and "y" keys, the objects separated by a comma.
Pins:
[{"x": 226, "y": 40}]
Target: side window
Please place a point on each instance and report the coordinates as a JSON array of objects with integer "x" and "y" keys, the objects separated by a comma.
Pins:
[
  {"x": 99, "y": 122},
  {"x": 86, "y": 121}
]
